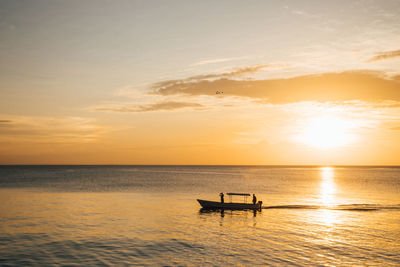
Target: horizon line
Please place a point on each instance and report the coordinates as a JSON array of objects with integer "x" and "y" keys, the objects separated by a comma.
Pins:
[{"x": 206, "y": 165}]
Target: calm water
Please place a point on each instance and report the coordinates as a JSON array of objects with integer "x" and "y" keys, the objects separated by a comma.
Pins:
[{"x": 148, "y": 215}]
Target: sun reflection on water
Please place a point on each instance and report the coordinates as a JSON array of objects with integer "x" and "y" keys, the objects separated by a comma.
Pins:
[
  {"x": 328, "y": 186},
  {"x": 327, "y": 195}
]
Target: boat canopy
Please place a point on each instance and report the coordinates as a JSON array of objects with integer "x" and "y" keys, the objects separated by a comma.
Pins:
[{"x": 237, "y": 194}]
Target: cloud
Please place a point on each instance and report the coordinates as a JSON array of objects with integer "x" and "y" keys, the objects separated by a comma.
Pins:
[
  {"x": 351, "y": 88},
  {"x": 159, "y": 106},
  {"x": 216, "y": 60},
  {"x": 206, "y": 77},
  {"x": 395, "y": 128},
  {"x": 345, "y": 86},
  {"x": 49, "y": 129},
  {"x": 385, "y": 55}
]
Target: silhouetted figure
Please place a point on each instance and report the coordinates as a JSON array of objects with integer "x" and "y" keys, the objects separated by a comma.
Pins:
[
  {"x": 254, "y": 199},
  {"x": 222, "y": 197}
]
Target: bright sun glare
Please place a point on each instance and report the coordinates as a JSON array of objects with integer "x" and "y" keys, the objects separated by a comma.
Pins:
[{"x": 326, "y": 132}]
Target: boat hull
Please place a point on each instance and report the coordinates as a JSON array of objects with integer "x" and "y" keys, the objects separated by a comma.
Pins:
[{"x": 229, "y": 206}]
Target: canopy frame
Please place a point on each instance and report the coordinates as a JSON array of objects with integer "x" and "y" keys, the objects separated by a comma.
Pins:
[
  {"x": 238, "y": 194},
  {"x": 245, "y": 195}
]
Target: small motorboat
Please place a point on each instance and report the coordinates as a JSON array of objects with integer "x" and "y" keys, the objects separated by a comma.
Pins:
[{"x": 206, "y": 204}]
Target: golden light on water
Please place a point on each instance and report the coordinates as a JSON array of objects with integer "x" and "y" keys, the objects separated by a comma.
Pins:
[
  {"x": 328, "y": 186},
  {"x": 326, "y": 132},
  {"x": 327, "y": 194}
]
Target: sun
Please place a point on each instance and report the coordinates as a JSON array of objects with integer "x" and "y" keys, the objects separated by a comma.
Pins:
[{"x": 326, "y": 132}]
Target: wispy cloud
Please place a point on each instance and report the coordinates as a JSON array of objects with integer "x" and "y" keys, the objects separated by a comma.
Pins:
[
  {"x": 239, "y": 72},
  {"x": 385, "y": 55},
  {"x": 216, "y": 60},
  {"x": 49, "y": 129},
  {"x": 159, "y": 106}
]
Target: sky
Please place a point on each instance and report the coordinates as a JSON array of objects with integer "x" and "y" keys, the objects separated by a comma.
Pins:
[{"x": 200, "y": 82}]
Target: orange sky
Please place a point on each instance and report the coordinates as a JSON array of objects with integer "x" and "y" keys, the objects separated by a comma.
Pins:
[{"x": 142, "y": 82}]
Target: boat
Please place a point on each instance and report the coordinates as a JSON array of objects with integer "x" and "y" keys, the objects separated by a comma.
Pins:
[{"x": 206, "y": 204}]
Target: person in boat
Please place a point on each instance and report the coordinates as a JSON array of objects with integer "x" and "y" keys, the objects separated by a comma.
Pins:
[
  {"x": 222, "y": 197},
  {"x": 254, "y": 199}
]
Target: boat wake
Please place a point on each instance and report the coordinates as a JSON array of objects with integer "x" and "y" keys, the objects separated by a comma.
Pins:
[{"x": 350, "y": 207}]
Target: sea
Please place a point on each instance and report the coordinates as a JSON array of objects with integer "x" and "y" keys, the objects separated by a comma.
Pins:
[{"x": 149, "y": 216}]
